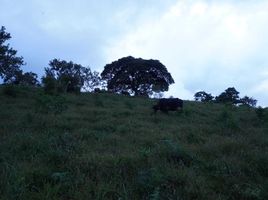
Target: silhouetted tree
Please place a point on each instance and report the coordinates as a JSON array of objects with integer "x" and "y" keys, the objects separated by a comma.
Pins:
[
  {"x": 66, "y": 76},
  {"x": 137, "y": 76},
  {"x": 9, "y": 63},
  {"x": 230, "y": 95},
  {"x": 248, "y": 101},
  {"x": 92, "y": 81},
  {"x": 27, "y": 79},
  {"x": 203, "y": 96}
]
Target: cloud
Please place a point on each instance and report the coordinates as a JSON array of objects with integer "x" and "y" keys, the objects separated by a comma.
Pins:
[
  {"x": 71, "y": 30},
  {"x": 206, "y": 45}
]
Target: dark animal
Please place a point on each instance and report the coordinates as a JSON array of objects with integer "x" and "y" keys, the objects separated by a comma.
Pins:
[{"x": 165, "y": 105}]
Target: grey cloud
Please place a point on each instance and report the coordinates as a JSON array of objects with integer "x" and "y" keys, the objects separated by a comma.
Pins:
[{"x": 72, "y": 30}]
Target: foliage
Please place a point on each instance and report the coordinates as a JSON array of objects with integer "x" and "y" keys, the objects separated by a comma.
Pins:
[
  {"x": 68, "y": 76},
  {"x": 203, "y": 96},
  {"x": 49, "y": 84},
  {"x": 136, "y": 75},
  {"x": 92, "y": 81},
  {"x": 108, "y": 146},
  {"x": 248, "y": 101},
  {"x": 10, "y": 63},
  {"x": 230, "y": 95},
  {"x": 25, "y": 79}
]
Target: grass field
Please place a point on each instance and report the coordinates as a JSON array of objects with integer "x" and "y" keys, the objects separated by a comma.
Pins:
[{"x": 107, "y": 146}]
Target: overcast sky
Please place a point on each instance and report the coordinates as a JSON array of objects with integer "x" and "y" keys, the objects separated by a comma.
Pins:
[{"x": 205, "y": 44}]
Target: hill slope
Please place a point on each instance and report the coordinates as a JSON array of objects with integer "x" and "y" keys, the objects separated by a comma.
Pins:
[{"x": 105, "y": 146}]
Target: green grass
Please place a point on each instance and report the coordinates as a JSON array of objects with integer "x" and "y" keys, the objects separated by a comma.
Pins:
[{"x": 106, "y": 146}]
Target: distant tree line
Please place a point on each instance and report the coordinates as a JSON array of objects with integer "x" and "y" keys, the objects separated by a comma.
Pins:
[
  {"x": 229, "y": 96},
  {"x": 128, "y": 75}
]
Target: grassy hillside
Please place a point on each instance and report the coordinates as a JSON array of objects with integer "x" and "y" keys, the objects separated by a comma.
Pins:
[{"x": 105, "y": 146}]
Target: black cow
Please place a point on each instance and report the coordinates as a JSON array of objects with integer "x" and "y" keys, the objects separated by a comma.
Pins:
[{"x": 165, "y": 105}]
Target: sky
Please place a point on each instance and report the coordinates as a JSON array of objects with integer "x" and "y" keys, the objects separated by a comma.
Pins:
[{"x": 206, "y": 45}]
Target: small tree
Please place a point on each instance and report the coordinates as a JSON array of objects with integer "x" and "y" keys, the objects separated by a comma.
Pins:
[
  {"x": 9, "y": 63},
  {"x": 27, "y": 79},
  {"x": 66, "y": 76},
  {"x": 248, "y": 101},
  {"x": 203, "y": 96},
  {"x": 137, "y": 76},
  {"x": 230, "y": 95}
]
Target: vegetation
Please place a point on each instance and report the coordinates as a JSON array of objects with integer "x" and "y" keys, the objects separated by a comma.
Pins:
[
  {"x": 229, "y": 96},
  {"x": 10, "y": 63},
  {"x": 108, "y": 146},
  {"x": 203, "y": 97},
  {"x": 59, "y": 143},
  {"x": 26, "y": 79},
  {"x": 68, "y": 76},
  {"x": 137, "y": 76},
  {"x": 248, "y": 101}
]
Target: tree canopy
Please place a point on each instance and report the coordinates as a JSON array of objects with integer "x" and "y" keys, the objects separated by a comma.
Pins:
[
  {"x": 230, "y": 95},
  {"x": 203, "y": 96},
  {"x": 248, "y": 101},
  {"x": 137, "y": 76},
  {"x": 69, "y": 77},
  {"x": 26, "y": 79},
  {"x": 10, "y": 63}
]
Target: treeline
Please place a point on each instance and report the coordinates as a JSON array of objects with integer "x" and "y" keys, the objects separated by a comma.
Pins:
[
  {"x": 229, "y": 96},
  {"x": 128, "y": 75},
  {"x": 60, "y": 75}
]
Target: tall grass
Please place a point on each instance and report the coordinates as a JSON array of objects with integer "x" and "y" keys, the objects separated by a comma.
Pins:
[{"x": 106, "y": 146}]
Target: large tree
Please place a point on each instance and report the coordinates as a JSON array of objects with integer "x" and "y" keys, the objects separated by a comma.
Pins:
[
  {"x": 137, "y": 76},
  {"x": 10, "y": 63}
]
